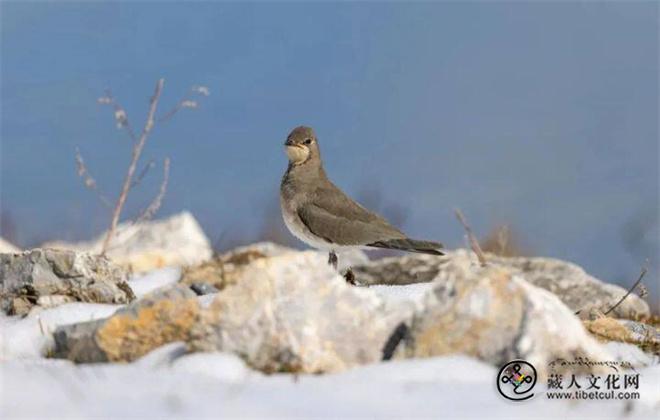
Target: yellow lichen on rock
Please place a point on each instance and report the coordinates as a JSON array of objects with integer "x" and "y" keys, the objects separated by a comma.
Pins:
[
  {"x": 128, "y": 336},
  {"x": 645, "y": 336},
  {"x": 608, "y": 329}
]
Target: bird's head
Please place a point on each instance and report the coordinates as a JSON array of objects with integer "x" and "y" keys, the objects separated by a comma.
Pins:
[{"x": 301, "y": 145}]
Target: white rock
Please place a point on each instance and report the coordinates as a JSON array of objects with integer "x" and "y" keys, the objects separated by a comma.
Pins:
[
  {"x": 346, "y": 258},
  {"x": 175, "y": 241},
  {"x": 576, "y": 288},
  {"x": 553, "y": 331},
  {"x": 493, "y": 314},
  {"x": 7, "y": 248},
  {"x": 295, "y": 313}
]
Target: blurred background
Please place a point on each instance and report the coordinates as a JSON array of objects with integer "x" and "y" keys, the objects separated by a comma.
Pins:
[{"x": 542, "y": 117}]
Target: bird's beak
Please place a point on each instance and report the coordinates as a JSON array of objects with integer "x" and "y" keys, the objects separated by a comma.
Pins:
[{"x": 288, "y": 142}]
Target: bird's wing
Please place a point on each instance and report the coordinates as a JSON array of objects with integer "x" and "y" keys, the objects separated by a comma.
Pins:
[{"x": 332, "y": 215}]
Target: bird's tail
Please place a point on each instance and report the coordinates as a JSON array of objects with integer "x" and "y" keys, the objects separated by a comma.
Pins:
[{"x": 410, "y": 245}]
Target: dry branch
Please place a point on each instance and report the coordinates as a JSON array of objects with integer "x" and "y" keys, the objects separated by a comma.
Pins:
[
  {"x": 130, "y": 179},
  {"x": 137, "y": 151},
  {"x": 634, "y": 286},
  {"x": 121, "y": 117},
  {"x": 186, "y": 102},
  {"x": 155, "y": 204},
  {"x": 143, "y": 173},
  {"x": 474, "y": 243},
  {"x": 88, "y": 179}
]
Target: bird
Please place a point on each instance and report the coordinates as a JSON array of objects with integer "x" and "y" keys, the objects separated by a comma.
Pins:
[{"x": 321, "y": 215}]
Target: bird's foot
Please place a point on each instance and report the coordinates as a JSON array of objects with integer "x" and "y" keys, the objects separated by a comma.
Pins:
[
  {"x": 350, "y": 277},
  {"x": 332, "y": 259}
]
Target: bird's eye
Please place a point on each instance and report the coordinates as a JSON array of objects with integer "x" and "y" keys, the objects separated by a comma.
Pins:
[{"x": 308, "y": 141}]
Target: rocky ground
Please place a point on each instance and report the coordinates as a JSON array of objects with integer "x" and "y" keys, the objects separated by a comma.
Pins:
[{"x": 162, "y": 327}]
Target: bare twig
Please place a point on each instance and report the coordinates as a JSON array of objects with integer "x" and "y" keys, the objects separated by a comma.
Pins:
[
  {"x": 634, "y": 286},
  {"x": 503, "y": 237},
  {"x": 186, "y": 102},
  {"x": 130, "y": 179},
  {"x": 143, "y": 173},
  {"x": 88, "y": 179},
  {"x": 474, "y": 243},
  {"x": 121, "y": 117},
  {"x": 137, "y": 151},
  {"x": 153, "y": 207}
]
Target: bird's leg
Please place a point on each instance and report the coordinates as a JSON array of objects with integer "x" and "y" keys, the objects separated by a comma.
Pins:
[
  {"x": 350, "y": 277},
  {"x": 332, "y": 259}
]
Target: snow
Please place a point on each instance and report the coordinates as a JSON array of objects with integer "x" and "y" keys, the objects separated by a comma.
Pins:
[
  {"x": 220, "y": 385},
  {"x": 169, "y": 383},
  {"x": 147, "y": 283}
]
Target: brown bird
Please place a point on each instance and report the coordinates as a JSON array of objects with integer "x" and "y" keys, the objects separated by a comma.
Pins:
[{"x": 321, "y": 215}]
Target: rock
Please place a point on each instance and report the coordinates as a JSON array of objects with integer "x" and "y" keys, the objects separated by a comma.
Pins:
[
  {"x": 8, "y": 248},
  {"x": 162, "y": 317},
  {"x": 227, "y": 269},
  {"x": 493, "y": 314},
  {"x": 51, "y": 301},
  {"x": 294, "y": 313},
  {"x": 224, "y": 270},
  {"x": 39, "y": 275},
  {"x": 244, "y": 254},
  {"x": 646, "y": 337},
  {"x": 409, "y": 269},
  {"x": 577, "y": 289},
  {"x": 175, "y": 241}
]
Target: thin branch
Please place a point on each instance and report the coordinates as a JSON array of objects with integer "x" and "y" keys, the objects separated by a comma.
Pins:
[
  {"x": 88, "y": 179},
  {"x": 170, "y": 113},
  {"x": 143, "y": 173},
  {"x": 474, "y": 243},
  {"x": 149, "y": 212},
  {"x": 121, "y": 117},
  {"x": 186, "y": 102},
  {"x": 137, "y": 151},
  {"x": 634, "y": 286}
]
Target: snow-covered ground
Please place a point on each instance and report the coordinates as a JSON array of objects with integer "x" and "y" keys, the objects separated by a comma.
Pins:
[
  {"x": 169, "y": 383},
  {"x": 219, "y": 385}
]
